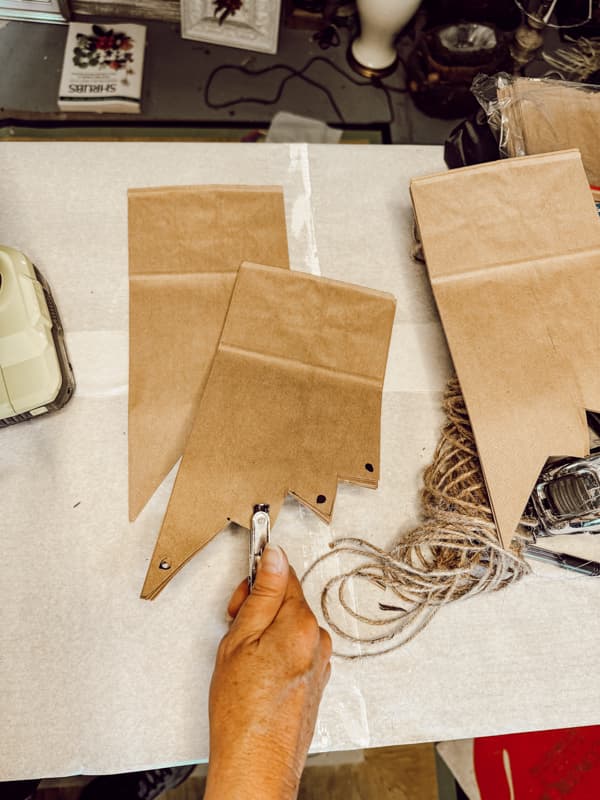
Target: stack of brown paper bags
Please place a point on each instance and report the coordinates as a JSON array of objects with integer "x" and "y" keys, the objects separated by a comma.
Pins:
[
  {"x": 185, "y": 247},
  {"x": 544, "y": 116},
  {"x": 291, "y": 401}
]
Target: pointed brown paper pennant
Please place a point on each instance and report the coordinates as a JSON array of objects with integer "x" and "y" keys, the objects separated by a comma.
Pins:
[
  {"x": 185, "y": 247},
  {"x": 513, "y": 254},
  {"x": 292, "y": 405}
]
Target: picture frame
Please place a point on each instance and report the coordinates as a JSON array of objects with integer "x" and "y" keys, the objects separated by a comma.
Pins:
[
  {"x": 56, "y": 11},
  {"x": 254, "y": 26}
]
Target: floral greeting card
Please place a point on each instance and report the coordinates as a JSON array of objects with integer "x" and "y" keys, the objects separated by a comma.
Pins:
[{"x": 103, "y": 68}]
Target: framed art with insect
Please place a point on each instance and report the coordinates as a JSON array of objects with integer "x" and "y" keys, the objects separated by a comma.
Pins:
[{"x": 247, "y": 24}]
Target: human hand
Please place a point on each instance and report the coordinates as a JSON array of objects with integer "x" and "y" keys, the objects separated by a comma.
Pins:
[{"x": 270, "y": 672}]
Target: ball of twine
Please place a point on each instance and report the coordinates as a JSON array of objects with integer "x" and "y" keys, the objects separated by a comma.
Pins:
[{"x": 454, "y": 553}]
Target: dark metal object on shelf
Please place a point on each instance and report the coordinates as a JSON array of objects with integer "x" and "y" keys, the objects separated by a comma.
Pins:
[
  {"x": 444, "y": 62},
  {"x": 539, "y": 15},
  {"x": 527, "y": 43}
]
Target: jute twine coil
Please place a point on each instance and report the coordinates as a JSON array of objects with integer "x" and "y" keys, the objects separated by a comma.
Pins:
[{"x": 455, "y": 553}]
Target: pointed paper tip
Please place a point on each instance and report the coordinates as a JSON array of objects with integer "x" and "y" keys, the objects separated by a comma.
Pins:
[
  {"x": 153, "y": 585},
  {"x": 137, "y": 503},
  {"x": 159, "y": 574},
  {"x": 507, "y": 522},
  {"x": 508, "y": 497}
]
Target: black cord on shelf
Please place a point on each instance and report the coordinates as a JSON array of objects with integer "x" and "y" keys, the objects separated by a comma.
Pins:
[{"x": 292, "y": 72}]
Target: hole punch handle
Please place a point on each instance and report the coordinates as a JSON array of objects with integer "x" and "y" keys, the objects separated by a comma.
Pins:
[{"x": 260, "y": 535}]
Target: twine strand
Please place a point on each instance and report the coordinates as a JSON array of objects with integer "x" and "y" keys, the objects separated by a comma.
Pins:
[{"x": 454, "y": 554}]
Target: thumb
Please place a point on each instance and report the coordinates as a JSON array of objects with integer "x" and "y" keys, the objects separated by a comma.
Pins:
[{"x": 268, "y": 593}]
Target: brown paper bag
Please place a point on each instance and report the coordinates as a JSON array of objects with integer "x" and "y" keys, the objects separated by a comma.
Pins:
[
  {"x": 185, "y": 247},
  {"x": 292, "y": 404},
  {"x": 543, "y": 116},
  {"x": 513, "y": 254}
]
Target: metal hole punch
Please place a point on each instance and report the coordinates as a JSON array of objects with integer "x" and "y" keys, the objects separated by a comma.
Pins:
[{"x": 260, "y": 535}]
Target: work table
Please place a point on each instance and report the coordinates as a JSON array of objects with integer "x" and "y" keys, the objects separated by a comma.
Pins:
[{"x": 96, "y": 680}]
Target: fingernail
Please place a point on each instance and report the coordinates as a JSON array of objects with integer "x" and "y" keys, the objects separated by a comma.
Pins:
[{"x": 272, "y": 559}]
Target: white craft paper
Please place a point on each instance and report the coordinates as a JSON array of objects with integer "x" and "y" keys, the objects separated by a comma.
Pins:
[
  {"x": 96, "y": 680},
  {"x": 287, "y": 128}
]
